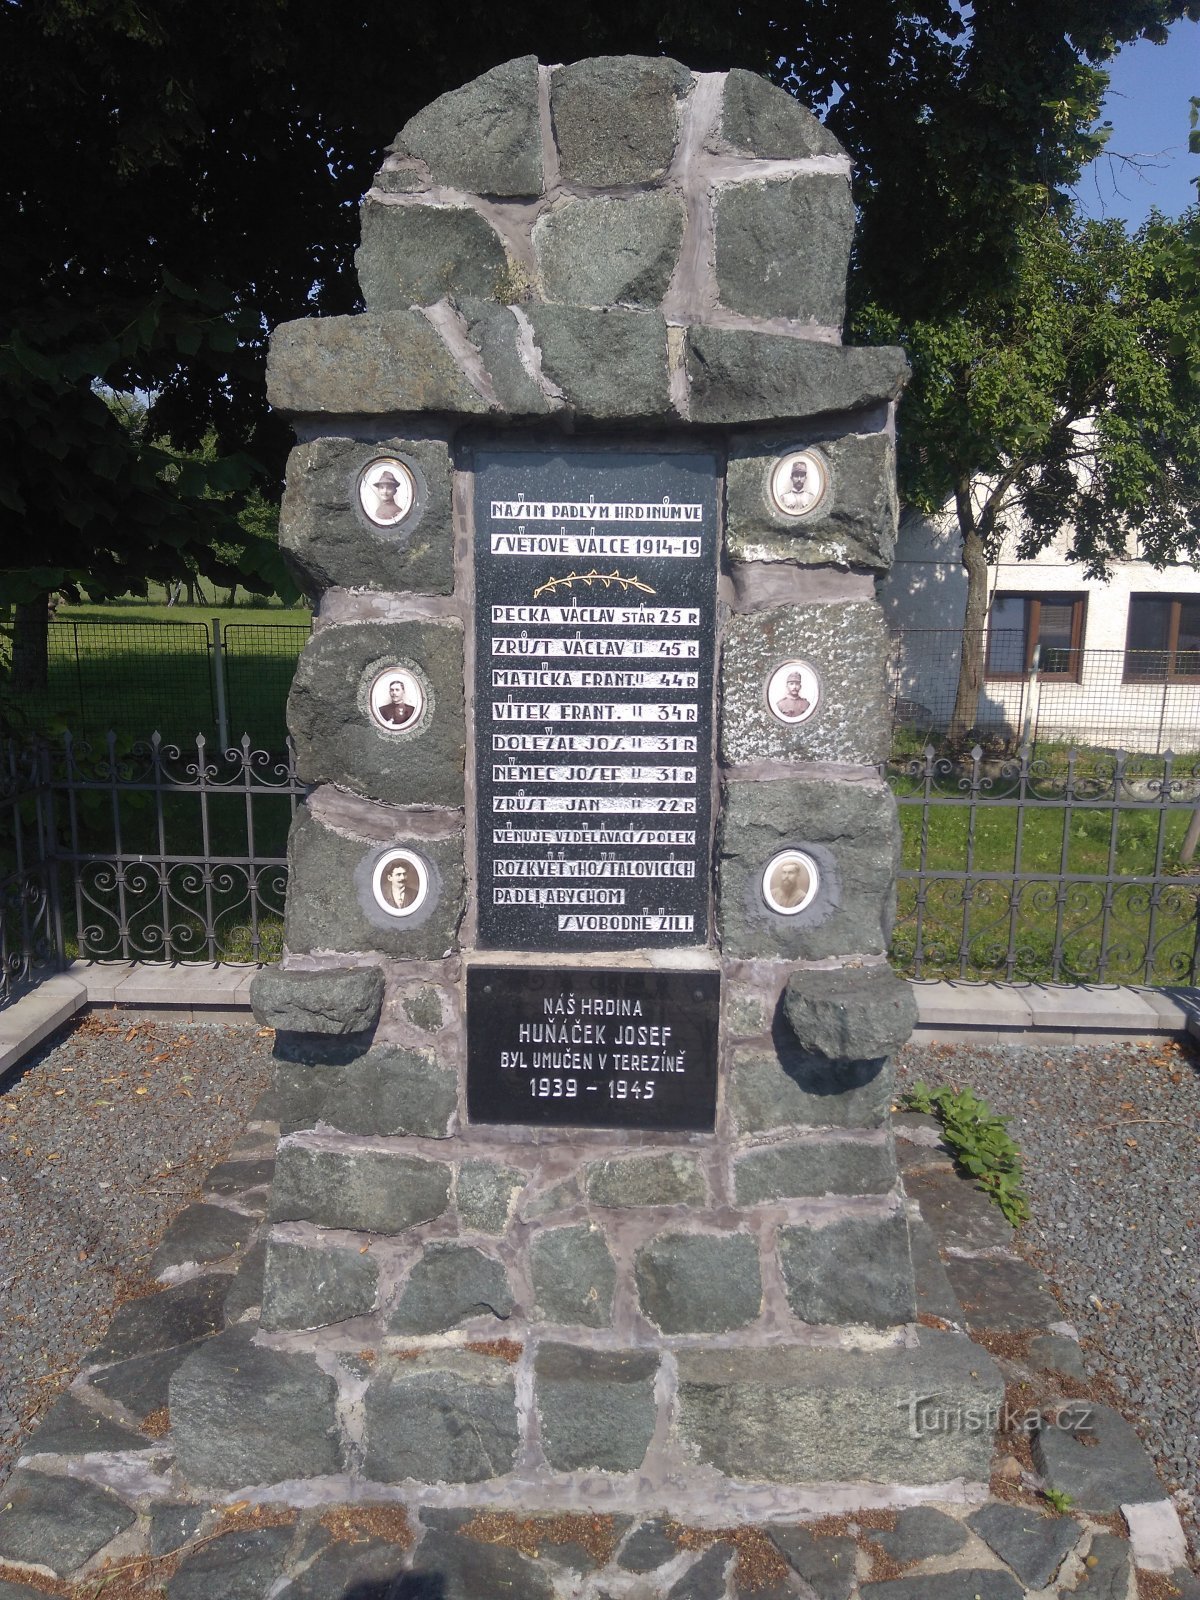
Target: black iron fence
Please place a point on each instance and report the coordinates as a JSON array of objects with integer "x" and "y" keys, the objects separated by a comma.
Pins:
[
  {"x": 1072, "y": 870},
  {"x": 138, "y": 677},
  {"x": 143, "y": 852},
  {"x": 1126, "y": 699}
]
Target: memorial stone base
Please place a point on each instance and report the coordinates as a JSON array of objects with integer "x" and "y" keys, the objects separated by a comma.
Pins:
[{"x": 585, "y": 1194}]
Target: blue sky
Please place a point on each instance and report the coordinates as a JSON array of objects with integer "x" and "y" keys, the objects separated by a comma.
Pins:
[{"x": 1147, "y": 104}]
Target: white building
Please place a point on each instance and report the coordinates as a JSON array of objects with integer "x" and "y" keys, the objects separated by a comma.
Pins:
[{"x": 1068, "y": 659}]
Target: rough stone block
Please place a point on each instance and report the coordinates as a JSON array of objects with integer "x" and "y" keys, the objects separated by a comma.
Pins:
[
  {"x": 446, "y": 1567},
  {"x": 608, "y": 365},
  {"x": 202, "y": 1234},
  {"x": 310, "y": 1287},
  {"x": 242, "y": 1415},
  {"x": 172, "y": 1526},
  {"x": 616, "y": 118},
  {"x": 415, "y": 255},
  {"x": 920, "y": 1532},
  {"x": 573, "y": 1276},
  {"x": 781, "y": 1088},
  {"x": 371, "y": 1190},
  {"x": 610, "y": 252},
  {"x": 1001, "y": 1294},
  {"x": 498, "y": 335},
  {"x": 1033, "y": 1546},
  {"x": 699, "y": 1282},
  {"x": 858, "y": 1269},
  {"x": 329, "y": 542},
  {"x": 1100, "y": 1462},
  {"x": 243, "y": 1565},
  {"x": 142, "y": 1383},
  {"x": 337, "y": 739},
  {"x": 650, "y": 1546},
  {"x": 486, "y": 1193},
  {"x": 814, "y": 1167},
  {"x": 161, "y": 1321},
  {"x": 962, "y": 1217},
  {"x": 387, "y": 1090},
  {"x": 854, "y": 525},
  {"x": 964, "y": 1583},
  {"x": 444, "y": 1417},
  {"x": 390, "y": 361},
  {"x": 850, "y": 1013},
  {"x": 71, "y": 1428},
  {"x": 357, "y": 1569},
  {"x": 793, "y": 1414},
  {"x": 1156, "y": 1536},
  {"x": 596, "y": 1407},
  {"x": 759, "y": 119},
  {"x": 848, "y": 829},
  {"x": 738, "y": 375},
  {"x": 825, "y": 1563},
  {"x": 484, "y": 137},
  {"x": 451, "y": 1284},
  {"x": 846, "y": 644},
  {"x": 339, "y": 1000},
  {"x": 58, "y": 1522},
  {"x": 783, "y": 247},
  {"x": 708, "y": 1577},
  {"x": 331, "y": 906},
  {"x": 666, "y": 1180}
]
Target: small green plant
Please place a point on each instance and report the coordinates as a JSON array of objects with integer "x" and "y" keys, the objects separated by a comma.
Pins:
[
  {"x": 980, "y": 1141},
  {"x": 1058, "y": 1500}
]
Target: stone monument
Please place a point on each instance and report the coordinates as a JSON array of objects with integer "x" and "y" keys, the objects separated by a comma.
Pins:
[{"x": 585, "y": 1195}]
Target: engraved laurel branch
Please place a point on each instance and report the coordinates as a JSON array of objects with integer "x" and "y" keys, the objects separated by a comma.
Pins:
[{"x": 552, "y": 585}]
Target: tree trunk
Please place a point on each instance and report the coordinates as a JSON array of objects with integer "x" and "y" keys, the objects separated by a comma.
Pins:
[
  {"x": 232, "y": 595},
  {"x": 31, "y": 647},
  {"x": 970, "y": 667}
]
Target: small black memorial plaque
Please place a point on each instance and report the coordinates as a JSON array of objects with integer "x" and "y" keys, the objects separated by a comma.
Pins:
[
  {"x": 595, "y": 576},
  {"x": 590, "y": 1047}
]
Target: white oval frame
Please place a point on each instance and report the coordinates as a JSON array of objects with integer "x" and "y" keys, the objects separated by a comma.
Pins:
[
  {"x": 406, "y": 494},
  {"x": 778, "y": 484},
  {"x": 410, "y": 859},
  {"x": 420, "y": 699},
  {"x": 814, "y": 881},
  {"x": 810, "y": 679}
]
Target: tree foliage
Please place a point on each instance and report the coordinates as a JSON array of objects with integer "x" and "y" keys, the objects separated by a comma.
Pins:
[
  {"x": 176, "y": 182},
  {"x": 1066, "y": 405}
]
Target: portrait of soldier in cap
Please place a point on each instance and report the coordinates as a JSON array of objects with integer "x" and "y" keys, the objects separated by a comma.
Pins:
[
  {"x": 386, "y": 491},
  {"x": 798, "y": 483},
  {"x": 792, "y": 692}
]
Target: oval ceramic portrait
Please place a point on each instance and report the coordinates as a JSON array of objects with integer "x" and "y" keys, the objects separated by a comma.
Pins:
[
  {"x": 400, "y": 882},
  {"x": 790, "y": 882},
  {"x": 386, "y": 491},
  {"x": 793, "y": 692},
  {"x": 396, "y": 699},
  {"x": 799, "y": 482}
]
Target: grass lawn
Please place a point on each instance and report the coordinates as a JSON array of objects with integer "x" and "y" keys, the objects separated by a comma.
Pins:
[{"x": 1059, "y": 928}]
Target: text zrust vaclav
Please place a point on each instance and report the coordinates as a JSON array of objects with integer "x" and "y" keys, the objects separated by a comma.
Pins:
[{"x": 595, "y": 620}]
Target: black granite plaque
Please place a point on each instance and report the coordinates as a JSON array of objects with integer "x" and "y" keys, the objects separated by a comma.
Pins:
[
  {"x": 590, "y": 1047},
  {"x": 595, "y": 574}
]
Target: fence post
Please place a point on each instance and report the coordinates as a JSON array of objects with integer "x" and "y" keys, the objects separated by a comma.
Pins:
[{"x": 219, "y": 682}]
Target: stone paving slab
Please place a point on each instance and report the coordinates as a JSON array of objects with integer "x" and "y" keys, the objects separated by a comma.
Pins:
[{"x": 34, "y": 1017}]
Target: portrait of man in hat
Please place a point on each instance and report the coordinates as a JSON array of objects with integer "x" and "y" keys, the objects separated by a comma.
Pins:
[
  {"x": 798, "y": 483},
  {"x": 386, "y": 491}
]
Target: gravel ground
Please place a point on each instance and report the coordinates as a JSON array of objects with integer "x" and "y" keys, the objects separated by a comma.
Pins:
[
  {"x": 1110, "y": 1137},
  {"x": 108, "y": 1132}
]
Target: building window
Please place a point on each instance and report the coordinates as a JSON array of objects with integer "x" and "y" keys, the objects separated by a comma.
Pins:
[
  {"x": 1162, "y": 643},
  {"x": 1048, "y": 625}
]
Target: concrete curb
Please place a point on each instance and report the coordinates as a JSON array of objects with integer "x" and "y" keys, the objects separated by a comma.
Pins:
[{"x": 947, "y": 1013}]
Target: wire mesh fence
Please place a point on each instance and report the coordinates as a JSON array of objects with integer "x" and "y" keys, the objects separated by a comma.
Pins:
[
  {"x": 137, "y": 678},
  {"x": 1111, "y": 699}
]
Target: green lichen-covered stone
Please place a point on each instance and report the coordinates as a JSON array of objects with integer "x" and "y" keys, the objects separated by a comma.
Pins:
[
  {"x": 415, "y": 255},
  {"x": 616, "y": 118},
  {"x": 610, "y": 252},
  {"x": 596, "y": 1407},
  {"x": 759, "y": 119},
  {"x": 445, "y": 1417},
  {"x": 391, "y": 361},
  {"x": 450, "y": 1284},
  {"x": 772, "y": 1087},
  {"x": 573, "y": 1276},
  {"x": 484, "y": 137},
  {"x": 666, "y": 1180},
  {"x": 308, "y": 1286},
  {"x": 495, "y": 332},
  {"x": 738, "y": 375},
  {"x": 424, "y": 1010},
  {"x": 486, "y": 1193},
  {"x": 699, "y": 1282},
  {"x": 368, "y": 1190},
  {"x": 337, "y": 740},
  {"x": 335, "y": 1000},
  {"x": 328, "y": 542},
  {"x": 857, "y": 1269},
  {"x": 853, "y": 526},
  {"x": 609, "y": 365},
  {"x": 848, "y": 828},
  {"x": 813, "y": 1167},
  {"x": 846, "y": 643},
  {"x": 850, "y": 1013},
  {"x": 783, "y": 247},
  {"x": 385, "y": 1090}
]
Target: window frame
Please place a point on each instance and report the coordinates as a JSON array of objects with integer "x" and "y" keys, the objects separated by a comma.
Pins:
[
  {"x": 1034, "y": 599},
  {"x": 1169, "y": 650}
]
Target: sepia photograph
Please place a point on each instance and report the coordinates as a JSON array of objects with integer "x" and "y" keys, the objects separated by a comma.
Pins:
[
  {"x": 386, "y": 491},
  {"x": 400, "y": 883},
  {"x": 793, "y": 690},
  {"x": 799, "y": 482},
  {"x": 396, "y": 699},
  {"x": 790, "y": 882}
]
